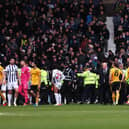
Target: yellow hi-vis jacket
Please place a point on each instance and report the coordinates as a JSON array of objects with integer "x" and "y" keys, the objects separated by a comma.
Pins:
[
  {"x": 89, "y": 78},
  {"x": 44, "y": 75}
]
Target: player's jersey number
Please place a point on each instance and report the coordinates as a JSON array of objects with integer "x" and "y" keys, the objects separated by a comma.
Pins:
[{"x": 116, "y": 73}]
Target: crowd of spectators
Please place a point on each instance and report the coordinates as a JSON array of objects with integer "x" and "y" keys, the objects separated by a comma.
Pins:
[
  {"x": 55, "y": 31},
  {"x": 121, "y": 28}
]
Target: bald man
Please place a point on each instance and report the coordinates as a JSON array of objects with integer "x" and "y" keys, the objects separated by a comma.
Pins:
[{"x": 104, "y": 89}]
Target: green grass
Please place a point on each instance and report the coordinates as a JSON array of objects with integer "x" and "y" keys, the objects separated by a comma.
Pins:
[{"x": 65, "y": 117}]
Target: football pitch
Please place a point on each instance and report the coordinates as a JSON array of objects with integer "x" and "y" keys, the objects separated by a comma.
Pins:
[{"x": 65, "y": 117}]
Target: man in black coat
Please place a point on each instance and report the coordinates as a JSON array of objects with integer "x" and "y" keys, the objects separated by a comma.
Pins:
[{"x": 104, "y": 89}]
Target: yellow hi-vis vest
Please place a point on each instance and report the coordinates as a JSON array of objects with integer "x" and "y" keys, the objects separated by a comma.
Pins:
[
  {"x": 89, "y": 78},
  {"x": 44, "y": 75}
]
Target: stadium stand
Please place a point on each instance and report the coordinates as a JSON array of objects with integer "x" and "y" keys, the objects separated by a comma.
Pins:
[
  {"x": 74, "y": 34},
  {"x": 121, "y": 25},
  {"x": 53, "y": 31}
]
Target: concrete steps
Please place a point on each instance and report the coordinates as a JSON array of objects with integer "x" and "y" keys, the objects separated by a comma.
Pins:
[{"x": 110, "y": 27}]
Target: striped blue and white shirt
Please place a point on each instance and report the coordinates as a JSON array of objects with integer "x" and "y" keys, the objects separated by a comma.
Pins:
[{"x": 11, "y": 73}]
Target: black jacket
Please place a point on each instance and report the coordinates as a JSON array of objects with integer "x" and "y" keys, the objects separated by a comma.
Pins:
[{"x": 104, "y": 77}]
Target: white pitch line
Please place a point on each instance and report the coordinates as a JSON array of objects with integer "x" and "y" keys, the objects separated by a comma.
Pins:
[
  {"x": 13, "y": 114},
  {"x": 95, "y": 111},
  {"x": 83, "y": 111}
]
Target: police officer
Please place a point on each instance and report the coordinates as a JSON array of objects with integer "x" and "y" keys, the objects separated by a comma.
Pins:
[
  {"x": 67, "y": 86},
  {"x": 90, "y": 83},
  {"x": 44, "y": 87}
]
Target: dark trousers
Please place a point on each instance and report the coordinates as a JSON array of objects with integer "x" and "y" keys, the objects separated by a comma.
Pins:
[
  {"x": 66, "y": 91},
  {"x": 52, "y": 96},
  {"x": 44, "y": 94},
  {"x": 46, "y": 91},
  {"x": 127, "y": 90},
  {"x": 20, "y": 100},
  {"x": 76, "y": 92},
  {"x": 104, "y": 94},
  {"x": 88, "y": 93},
  {"x": 123, "y": 93}
]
